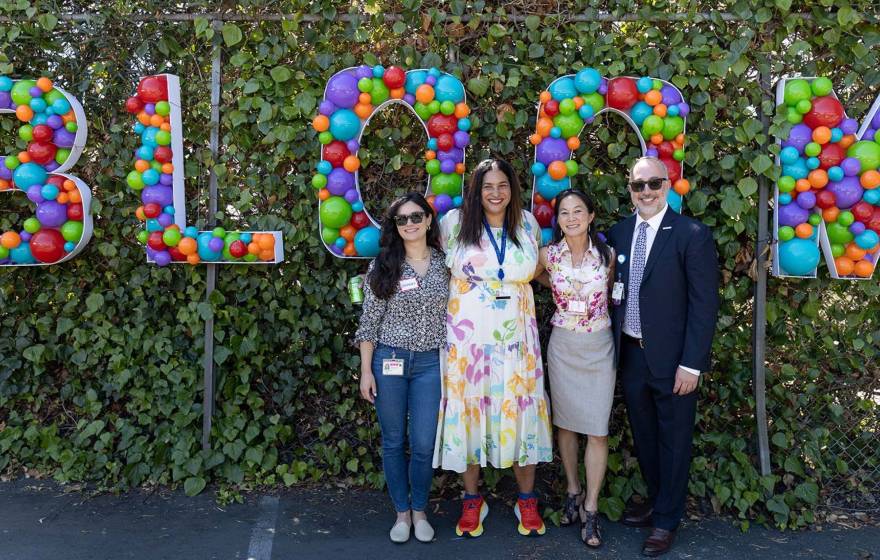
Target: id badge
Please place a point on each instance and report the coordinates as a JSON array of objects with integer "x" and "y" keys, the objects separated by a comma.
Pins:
[
  {"x": 578, "y": 306},
  {"x": 392, "y": 367},
  {"x": 502, "y": 294},
  {"x": 617, "y": 292},
  {"x": 408, "y": 284}
]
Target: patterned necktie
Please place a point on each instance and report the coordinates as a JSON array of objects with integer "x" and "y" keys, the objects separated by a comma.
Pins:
[{"x": 636, "y": 269}]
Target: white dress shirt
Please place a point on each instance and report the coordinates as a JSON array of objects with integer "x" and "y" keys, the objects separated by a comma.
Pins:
[{"x": 650, "y": 234}]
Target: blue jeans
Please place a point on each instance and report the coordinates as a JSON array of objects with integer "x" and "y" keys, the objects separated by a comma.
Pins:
[{"x": 414, "y": 399}]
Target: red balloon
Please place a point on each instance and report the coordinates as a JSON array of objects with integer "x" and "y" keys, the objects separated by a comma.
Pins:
[
  {"x": 176, "y": 255},
  {"x": 42, "y": 152},
  {"x": 543, "y": 213},
  {"x": 825, "y": 199},
  {"x": 442, "y": 124},
  {"x": 831, "y": 155},
  {"x": 56, "y": 180},
  {"x": 162, "y": 154},
  {"x": 862, "y": 211},
  {"x": 665, "y": 149},
  {"x": 394, "y": 77},
  {"x": 826, "y": 111},
  {"x": 360, "y": 220},
  {"x": 133, "y": 105},
  {"x": 551, "y": 108},
  {"x": 238, "y": 249},
  {"x": 152, "y": 210},
  {"x": 874, "y": 222},
  {"x": 622, "y": 93},
  {"x": 43, "y": 133},
  {"x": 445, "y": 142},
  {"x": 153, "y": 89},
  {"x": 155, "y": 241},
  {"x": 335, "y": 152},
  {"x": 47, "y": 245},
  {"x": 75, "y": 212},
  {"x": 673, "y": 168}
]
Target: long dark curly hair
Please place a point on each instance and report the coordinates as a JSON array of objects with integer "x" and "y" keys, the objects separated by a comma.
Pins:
[
  {"x": 385, "y": 274},
  {"x": 471, "y": 231},
  {"x": 595, "y": 240}
]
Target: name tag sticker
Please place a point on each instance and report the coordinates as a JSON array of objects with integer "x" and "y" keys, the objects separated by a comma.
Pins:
[
  {"x": 408, "y": 284},
  {"x": 617, "y": 291},
  {"x": 392, "y": 367},
  {"x": 577, "y": 306}
]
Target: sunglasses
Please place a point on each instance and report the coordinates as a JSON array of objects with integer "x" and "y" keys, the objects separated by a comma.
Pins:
[
  {"x": 415, "y": 217},
  {"x": 654, "y": 184}
]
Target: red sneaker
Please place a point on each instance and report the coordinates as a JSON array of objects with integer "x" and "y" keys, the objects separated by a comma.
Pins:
[
  {"x": 473, "y": 512},
  {"x": 530, "y": 522}
]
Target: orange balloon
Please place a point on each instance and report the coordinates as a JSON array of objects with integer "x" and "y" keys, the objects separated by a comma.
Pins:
[
  {"x": 656, "y": 139},
  {"x": 321, "y": 123},
  {"x": 63, "y": 198},
  {"x": 269, "y": 255},
  {"x": 266, "y": 241},
  {"x": 535, "y": 139},
  {"x": 578, "y": 101},
  {"x": 397, "y": 93},
  {"x": 844, "y": 266},
  {"x": 194, "y": 258},
  {"x": 821, "y": 135},
  {"x": 24, "y": 113},
  {"x": 10, "y": 240},
  {"x": 459, "y": 168},
  {"x": 682, "y": 186},
  {"x": 573, "y": 143},
  {"x": 847, "y": 141},
  {"x": 144, "y": 119},
  {"x": 545, "y": 96},
  {"x": 870, "y": 179},
  {"x": 323, "y": 194},
  {"x": 44, "y": 84},
  {"x": 556, "y": 169},
  {"x": 363, "y": 110},
  {"x": 347, "y": 232},
  {"x": 24, "y": 157},
  {"x": 253, "y": 248},
  {"x": 431, "y": 200},
  {"x": 156, "y": 120},
  {"x": 864, "y": 269},
  {"x": 168, "y": 168},
  {"x": 425, "y": 94},
  {"x": 830, "y": 214},
  {"x": 653, "y": 97},
  {"x": 804, "y": 231},
  {"x": 68, "y": 185},
  {"x": 538, "y": 198},
  {"x": 365, "y": 98},
  {"x": 187, "y": 246},
  {"x": 462, "y": 110},
  {"x": 349, "y": 251},
  {"x": 69, "y": 116},
  {"x": 802, "y": 185},
  {"x": 660, "y": 110},
  {"x": 4, "y": 184},
  {"x": 139, "y": 214},
  {"x": 543, "y": 126},
  {"x": 818, "y": 178},
  {"x": 74, "y": 197},
  {"x": 855, "y": 252},
  {"x": 141, "y": 165},
  {"x": 165, "y": 126},
  {"x": 430, "y": 154},
  {"x": 351, "y": 163}
]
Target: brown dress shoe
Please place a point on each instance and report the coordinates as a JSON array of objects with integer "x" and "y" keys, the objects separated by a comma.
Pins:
[
  {"x": 638, "y": 515},
  {"x": 658, "y": 542}
]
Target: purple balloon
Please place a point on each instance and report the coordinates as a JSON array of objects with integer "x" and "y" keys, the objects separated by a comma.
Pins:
[
  {"x": 806, "y": 200},
  {"x": 52, "y": 165},
  {"x": 63, "y": 138},
  {"x": 25, "y": 236},
  {"x": 162, "y": 258},
  {"x": 792, "y": 215},
  {"x": 165, "y": 220},
  {"x": 603, "y": 86},
  {"x": 353, "y": 146},
  {"x": 455, "y": 154},
  {"x": 326, "y": 107},
  {"x": 157, "y": 194},
  {"x": 409, "y": 98},
  {"x": 5, "y": 100},
  {"x": 851, "y": 166},
  {"x": 849, "y": 126},
  {"x": 443, "y": 203},
  {"x": 363, "y": 71},
  {"x": 351, "y": 195},
  {"x": 34, "y": 193},
  {"x": 800, "y": 136},
  {"x": 336, "y": 250},
  {"x": 55, "y": 122},
  {"x": 166, "y": 179},
  {"x": 150, "y": 108},
  {"x": 651, "y": 152},
  {"x": 683, "y": 109},
  {"x": 875, "y": 122},
  {"x": 342, "y": 90},
  {"x": 216, "y": 244},
  {"x": 51, "y": 214},
  {"x": 430, "y": 80},
  {"x": 869, "y": 134},
  {"x": 552, "y": 149},
  {"x": 447, "y": 166},
  {"x": 856, "y": 228},
  {"x": 671, "y": 95},
  {"x": 35, "y": 92},
  {"x": 461, "y": 138},
  {"x": 847, "y": 192},
  {"x": 339, "y": 181},
  {"x": 5, "y": 172}
]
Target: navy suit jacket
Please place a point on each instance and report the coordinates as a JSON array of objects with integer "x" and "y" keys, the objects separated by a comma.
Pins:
[{"x": 678, "y": 298}]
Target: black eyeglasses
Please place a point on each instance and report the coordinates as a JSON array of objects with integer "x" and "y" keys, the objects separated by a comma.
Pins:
[
  {"x": 655, "y": 184},
  {"x": 415, "y": 217}
]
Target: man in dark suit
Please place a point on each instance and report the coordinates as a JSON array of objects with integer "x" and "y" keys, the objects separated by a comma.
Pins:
[{"x": 663, "y": 328}]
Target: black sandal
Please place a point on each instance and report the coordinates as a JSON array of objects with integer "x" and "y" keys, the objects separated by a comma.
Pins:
[
  {"x": 590, "y": 527},
  {"x": 570, "y": 508}
]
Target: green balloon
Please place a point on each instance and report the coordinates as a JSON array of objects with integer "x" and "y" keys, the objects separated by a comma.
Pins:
[
  {"x": 4, "y": 252},
  {"x": 652, "y": 125},
  {"x": 785, "y": 233},
  {"x": 163, "y": 108},
  {"x": 656, "y": 84},
  {"x": 570, "y": 124},
  {"x": 803, "y": 106},
  {"x": 365, "y": 85},
  {"x": 26, "y": 133},
  {"x": 786, "y": 184},
  {"x": 32, "y": 225},
  {"x": 20, "y": 92},
  {"x": 566, "y": 106},
  {"x": 72, "y": 230},
  {"x": 329, "y": 235},
  {"x": 163, "y": 137},
  {"x": 846, "y": 218},
  {"x": 571, "y": 167},
  {"x": 821, "y": 86},
  {"x": 815, "y": 219},
  {"x": 135, "y": 180},
  {"x": 171, "y": 237},
  {"x": 672, "y": 127},
  {"x": 422, "y": 111},
  {"x": 447, "y": 107},
  {"x": 812, "y": 149},
  {"x": 380, "y": 92},
  {"x": 595, "y": 100},
  {"x": 837, "y": 250},
  {"x": 434, "y": 107},
  {"x": 143, "y": 236},
  {"x": 796, "y": 90},
  {"x": 319, "y": 181},
  {"x": 52, "y": 96},
  {"x": 250, "y": 257},
  {"x": 432, "y": 166},
  {"x": 11, "y": 162},
  {"x": 218, "y": 232},
  {"x": 325, "y": 137},
  {"x": 71, "y": 126},
  {"x": 227, "y": 242},
  {"x": 678, "y": 155},
  {"x": 446, "y": 183},
  {"x": 792, "y": 115},
  {"x": 838, "y": 233},
  {"x": 867, "y": 152},
  {"x": 156, "y": 165},
  {"x": 335, "y": 212}
]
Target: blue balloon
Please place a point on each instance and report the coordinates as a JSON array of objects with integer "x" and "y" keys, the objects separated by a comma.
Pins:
[
  {"x": 587, "y": 80},
  {"x": 644, "y": 84},
  {"x": 5, "y": 83},
  {"x": 69, "y": 246},
  {"x": 191, "y": 231},
  {"x": 785, "y": 199},
  {"x": 150, "y": 177},
  {"x": 586, "y": 112},
  {"x": 28, "y": 174},
  {"x": 434, "y": 71},
  {"x": 867, "y": 239},
  {"x": 836, "y": 134},
  {"x": 563, "y": 88},
  {"x": 149, "y": 136},
  {"x": 39, "y": 118},
  {"x": 357, "y": 205},
  {"x": 872, "y": 196},
  {"x": 432, "y": 144},
  {"x": 139, "y": 128},
  {"x": 205, "y": 252},
  {"x": 674, "y": 200},
  {"x": 546, "y": 236},
  {"x": 457, "y": 201},
  {"x": 344, "y": 125},
  {"x": 22, "y": 254},
  {"x": 449, "y": 88},
  {"x": 639, "y": 112},
  {"x": 154, "y": 225},
  {"x": 246, "y": 238},
  {"x": 548, "y": 187},
  {"x": 813, "y": 163},
  {"x": 61, "y": 106},
  {"x": 789, "y": 155},
  {"x": 835, "y": 173},
  {"x": 169, "y": 209},
  {"x": 340, "y": 242},
  {"x": 38, "y": 104},
  {"x": 378, "y": 71},
  {"x": 538, "y": 169},
  {"x": 49, "y": 192},
  {"x": 556, "y": 132},
  {"x": 414, "y": 78},
  {"x": 324, "y": 167},
  {"x": 366, "y": 241},
  {"x": 798, "y": 169},
  {"x": 798, "y": 257},
  {"x": 145, "y": 153},
  {"x": 673, "y": 110}
]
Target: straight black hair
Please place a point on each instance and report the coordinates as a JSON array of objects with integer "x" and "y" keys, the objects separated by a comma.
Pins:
[
  {"x": 471, "y": 231},
  {"x": 601, "y": 246}
]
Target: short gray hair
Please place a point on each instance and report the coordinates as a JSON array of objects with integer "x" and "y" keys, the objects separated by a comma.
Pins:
[{"x": 651, "y": 159}]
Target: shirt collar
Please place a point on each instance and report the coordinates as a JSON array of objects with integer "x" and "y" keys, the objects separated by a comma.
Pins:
[
  {"x": 563, "y": 249},
  {"x": 654, "y": 222}
]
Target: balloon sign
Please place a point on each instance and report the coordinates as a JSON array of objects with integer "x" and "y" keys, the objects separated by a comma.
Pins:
[
  {"x": 158, "y": 176},
  {"x": 55, "y": 129},
  {"x": 351, "y": 98},
  {"x": 828, "y": 190},
  {"x": 654, "y": 108}
]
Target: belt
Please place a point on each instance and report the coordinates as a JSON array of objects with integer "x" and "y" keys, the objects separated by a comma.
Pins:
[{"x": 633, "y": 340}]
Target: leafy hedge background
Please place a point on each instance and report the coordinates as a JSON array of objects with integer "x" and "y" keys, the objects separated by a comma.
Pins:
[{"x": 101, "y": 374}]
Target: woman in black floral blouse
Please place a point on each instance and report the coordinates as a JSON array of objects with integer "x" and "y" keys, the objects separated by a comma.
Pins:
[{"x": 402, "y": 329}]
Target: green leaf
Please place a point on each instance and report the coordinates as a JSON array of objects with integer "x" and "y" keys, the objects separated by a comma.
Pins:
[
  {"x": 94, "y": 302},
  {"x": 747, "y": 186},
  {"x": 478, "y": 86},
  {"x": 280, "y": 74},
  {"x": 761, "y": 163},
  {"x": 808, "y": 492},
  {"x": 779, "y": 440},
  {"x": 194, "y": 485},
  {"x": 231, "y": 34},
  {"x": 536, "y": 50},
  {"x": 532, "y": 22},
  {"x": 783, "y": 5}
]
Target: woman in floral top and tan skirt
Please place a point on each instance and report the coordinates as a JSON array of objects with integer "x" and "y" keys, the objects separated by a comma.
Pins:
[{"x": 580, "y": 355}]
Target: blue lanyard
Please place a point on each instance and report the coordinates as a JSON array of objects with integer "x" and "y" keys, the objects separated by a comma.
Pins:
[{"x": 499, "y": 253}]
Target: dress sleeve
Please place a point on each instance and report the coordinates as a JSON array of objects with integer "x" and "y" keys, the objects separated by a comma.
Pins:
[
  {"x": 371, "y": 315},
  {"x": 533, "y": 227},
  {"x": 449, "y": 228}
]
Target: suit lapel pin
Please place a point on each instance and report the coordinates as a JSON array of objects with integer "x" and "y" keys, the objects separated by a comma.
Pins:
[
  {"x": 621, "y": 258},
  {"x": 666, "y": 227}
]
